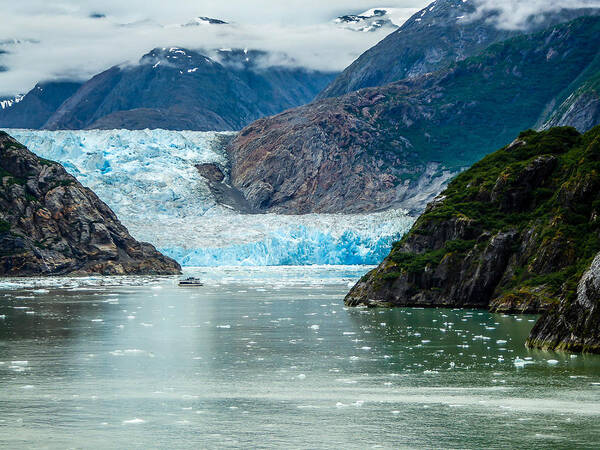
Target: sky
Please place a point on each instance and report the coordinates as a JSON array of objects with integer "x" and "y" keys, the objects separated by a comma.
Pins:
[{"x": 58, "y": 39}]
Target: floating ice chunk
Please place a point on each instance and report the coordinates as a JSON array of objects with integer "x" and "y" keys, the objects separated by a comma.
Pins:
[
  {"x": 315, "y": 327},
  {"x": 133, "y": 421},
  {"x": 301, "y": 376},
  {"x": 518, "y": 362},
  {"x": 552, "y": 362},
  {"x": 133, "y": 351},
  {"x": 224, "y": 326},
  {"x": 501, "y": 341},
  {"x": 340, "y": 405},
  {"x": 97, "y": 320}
]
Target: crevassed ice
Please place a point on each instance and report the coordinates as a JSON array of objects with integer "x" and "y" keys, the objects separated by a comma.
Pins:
[{"x": 148, "y": 178}]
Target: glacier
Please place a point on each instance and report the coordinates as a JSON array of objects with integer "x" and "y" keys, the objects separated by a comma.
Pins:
[{"x": 149, "y": 179}]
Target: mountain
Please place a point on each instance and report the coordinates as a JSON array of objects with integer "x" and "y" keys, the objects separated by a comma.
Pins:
[
  {"x": 442, "y": 33},
  {"x": 397, "y": 145},
  {"x": 371, "y": 20},
  {"x": 51, "y": 225},
  {"x": 35, "y": 108},
  {"x": 176, "y": 89},
  {"x": 514, "y": 233},
  {"x": 581, "y": 109},
  {"x": 203, "y": 20}
]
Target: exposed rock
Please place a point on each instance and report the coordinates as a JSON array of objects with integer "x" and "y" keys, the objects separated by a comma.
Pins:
[
  {"x": 514, "y": 233},
  {"x": 581, "y": 109},
  {"x": 211, "y": 172},
  {"x": 51, "y": 225},
  {"x": 573, "y": 325},
  {"x": 393, "y": 145}
]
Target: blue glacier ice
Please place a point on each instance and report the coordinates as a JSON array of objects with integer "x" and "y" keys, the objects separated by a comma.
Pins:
[{"x": 148, "y": 178}]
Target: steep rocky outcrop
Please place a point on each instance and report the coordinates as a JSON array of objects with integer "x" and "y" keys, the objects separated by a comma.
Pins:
[
  {"x": 442, "y": 33},
  {"x": 51, "y": 225},
  {"x": 581, "y": 109},
  {"x": 573, "y": 325},
  {"x": 386, "y": 146},
  {"x": 516, "y": 232}
]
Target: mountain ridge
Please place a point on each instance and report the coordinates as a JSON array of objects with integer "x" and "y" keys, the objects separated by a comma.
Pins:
[
  {"x": 442, "y": 33},
  {"x": 173, "y": 88},
  {"x": 374, "y": 148}
]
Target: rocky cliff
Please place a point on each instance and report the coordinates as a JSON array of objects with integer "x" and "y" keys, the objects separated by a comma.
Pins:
[
  {"x": 581, "y": 109},
  {"x": 516, "y": 232},
  {"x": 442, "y": 33},
  {"x": 51, "y": 225},
  {"x": 575, "y": 324},
  {"x": 390, "y": 145}
]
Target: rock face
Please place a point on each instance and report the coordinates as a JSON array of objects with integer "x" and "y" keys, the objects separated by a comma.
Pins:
[
  {"x": 582, "y": 108},
  {"x": 513, "y": 233},
  {"x": 574, "y": 325},
  {"x": 174, "y": 89},
  {"x": 386, "y": 146},
  {"x": 442, "y": 33},
  {"x": 51, "y": 225}
]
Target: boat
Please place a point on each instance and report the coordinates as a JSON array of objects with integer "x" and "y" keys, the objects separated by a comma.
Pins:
[{"x": 190, "y": 282}]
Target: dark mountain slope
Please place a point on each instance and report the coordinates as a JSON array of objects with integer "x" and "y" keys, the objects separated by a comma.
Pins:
[
  {"x": 51, "y": 225},
  {"x": 181, "y": 89},
  {"x": 386, "y": 146},
  {"x": 516, "y": 232},
  {"x": 581, "y": 109},
  {"x": 38, "y": 105},
  {"x": 444, "y": 32}
]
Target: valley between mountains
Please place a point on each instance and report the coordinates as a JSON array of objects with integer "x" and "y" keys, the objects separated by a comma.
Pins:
[{"x": 228, "y": 160}]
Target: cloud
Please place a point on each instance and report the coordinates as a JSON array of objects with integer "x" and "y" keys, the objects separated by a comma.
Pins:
[
  {"x": 518, "y": 14},
  {"x": 75, "y": 39}
]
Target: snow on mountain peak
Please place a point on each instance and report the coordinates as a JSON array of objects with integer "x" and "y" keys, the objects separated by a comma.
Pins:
[
  {"x": 375, "y": 19},
  {"x": 10, "y": 102}
]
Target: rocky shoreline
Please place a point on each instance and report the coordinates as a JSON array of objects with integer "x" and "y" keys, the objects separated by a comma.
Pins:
[
  {"x": 515, "y": 233},
  {"x": 52, "y": 225}
]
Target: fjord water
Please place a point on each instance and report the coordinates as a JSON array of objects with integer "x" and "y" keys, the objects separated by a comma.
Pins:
[{"x": 269, "y": 357}]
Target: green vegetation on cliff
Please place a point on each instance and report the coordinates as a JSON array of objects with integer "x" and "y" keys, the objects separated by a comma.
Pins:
[
  {"x": 385, "y": 146},
  {"x": 516, "y": 232},
  {"x": 560, "y": 206}
]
